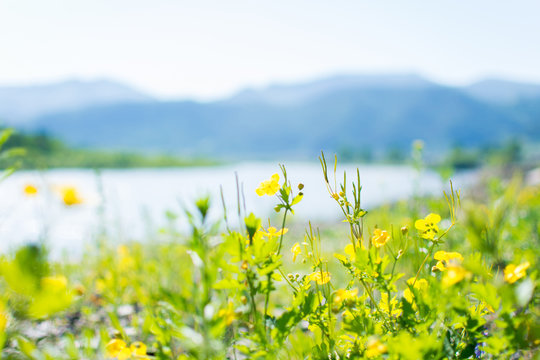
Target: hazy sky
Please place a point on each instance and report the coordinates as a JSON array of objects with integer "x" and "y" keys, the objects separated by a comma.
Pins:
[{"x": 210, "y": 48}]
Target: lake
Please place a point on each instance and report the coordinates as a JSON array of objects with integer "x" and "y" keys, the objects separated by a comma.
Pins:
[{"x": 131, "y": 204}]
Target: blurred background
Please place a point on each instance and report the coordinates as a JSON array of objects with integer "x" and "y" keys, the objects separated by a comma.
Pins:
[{"x": 169, "y": 99}]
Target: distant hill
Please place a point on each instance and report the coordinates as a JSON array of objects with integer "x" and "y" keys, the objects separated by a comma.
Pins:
[
  {"x": 23, "y": 103},
  {"x": 502, "y": 91},
  {"x": 298, "y": 93},
  {"x": 372, "y": 114}
]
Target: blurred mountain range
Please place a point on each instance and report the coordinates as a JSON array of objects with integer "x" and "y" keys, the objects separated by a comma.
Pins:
[
  {"x": 355, "y": 113},
  {"x": 25, "y": 103}
]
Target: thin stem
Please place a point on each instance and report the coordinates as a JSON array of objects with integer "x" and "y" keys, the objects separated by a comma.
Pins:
[
  {"x": 428, "y": 255},
  {"x": 267, "y": 298},
  {"x": 282, "y": 230}
]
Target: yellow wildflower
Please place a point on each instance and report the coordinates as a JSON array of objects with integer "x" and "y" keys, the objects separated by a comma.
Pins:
[
  {"x": 296, "y": 250},
  {"x": 513, "y": 273},
  {"x": 380, "y": 237},
  {"x": 428, "y": 226},
  {"x": 320, "y": 278},
  {"x": 349, "y": 250},
  {"x": 138, "y": 349},
  {"x": 30, "y": 190},
  {"x": 273, "y": 232},
  {"x": 118, "y": 349},
  {"x": 453, "y": 275},
  {"x": 421, "y": 285},
  {"x": 70, "y": 196},
  {"x": 375, "y": 348},
  {"x": 446, "y": 258},
  {"x": 227, "y": 314},
  {"x": 342, "y": 295},
  {"x": 269, "y": 187}
]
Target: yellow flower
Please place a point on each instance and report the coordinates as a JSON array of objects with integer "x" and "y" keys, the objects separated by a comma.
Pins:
[
  {"x": 269, "y": 187},
  {"x": 453, "y": 275},
  {"x": 273, "y": 232},
  {"x": 380, "y": 237},
  {"x": 227, "y": 314},
  {"x": 375, "y": 348},
  {"x": 439, "y": 266},
  {"x": 70, "y": 196},
  {"x": 296, "y": 250},
  {"x": 446, "y": 257},
  {"x": 428, "y": 226},
  {"x": 342, "y": 295},
  {"x": 349, "y": 250},
  {"x": 513, "y": 273},
  {"x": 421, "y": 285},
  {"x": 138, "y": 350},
  {"x": 320, "y": 278},
  {"x": 30, "y": 190},
  {"x": 118, "y": 349}
]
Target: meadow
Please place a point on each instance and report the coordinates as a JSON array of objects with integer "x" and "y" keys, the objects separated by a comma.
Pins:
[{"x": 448, "y": 277}]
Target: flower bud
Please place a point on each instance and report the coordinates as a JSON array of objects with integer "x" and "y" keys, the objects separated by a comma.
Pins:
[{"x": 404, "y": 230}]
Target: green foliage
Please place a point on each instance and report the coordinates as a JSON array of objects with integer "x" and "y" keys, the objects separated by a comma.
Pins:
[{"x": 458, "y": 285}]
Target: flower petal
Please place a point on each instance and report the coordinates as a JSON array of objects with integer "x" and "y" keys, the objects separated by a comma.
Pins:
[
  {"x": 433, "y": 218},
  {"x": 420, "y": 224}
]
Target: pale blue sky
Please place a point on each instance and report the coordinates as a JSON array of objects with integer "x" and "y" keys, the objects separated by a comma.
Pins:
[{"x": 209, "y": 48}]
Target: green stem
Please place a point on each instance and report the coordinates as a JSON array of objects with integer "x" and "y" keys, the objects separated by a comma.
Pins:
[
  {"x": 428, "y": 255},
  {"x": 267, "y": 299},
  {"x": 282, "y": 230}
]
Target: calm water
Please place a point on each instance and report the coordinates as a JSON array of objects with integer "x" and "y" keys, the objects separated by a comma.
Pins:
[{"x": 132, "y": 203}]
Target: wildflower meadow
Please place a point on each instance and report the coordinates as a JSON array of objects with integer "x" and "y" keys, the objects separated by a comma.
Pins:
[{"x": 448, "y": 277}]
